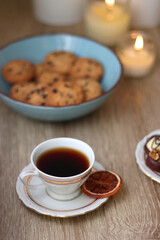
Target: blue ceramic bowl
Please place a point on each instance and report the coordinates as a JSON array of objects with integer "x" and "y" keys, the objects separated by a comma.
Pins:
[{"x": 35, "y": 49}]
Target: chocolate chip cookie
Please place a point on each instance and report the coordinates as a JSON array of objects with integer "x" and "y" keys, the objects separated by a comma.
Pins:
[
  {"x": 38, "y": 95},
  {"x": 29, "y": 92},
  {"x": 18, "y": 71},
  {"x": 59, "y": 61},
  {"x": 86, "y": 68},
  {"x": 65, "y": 93},
  {"x": 91, "y": 88},
  {"x": 50, "y": 77},
  {"x": 19, "y": 91}
]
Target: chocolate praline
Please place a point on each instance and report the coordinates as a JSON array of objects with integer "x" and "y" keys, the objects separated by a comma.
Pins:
[
  {"x": 152, "y": 153},
  {"x": 152, "y": 163}
]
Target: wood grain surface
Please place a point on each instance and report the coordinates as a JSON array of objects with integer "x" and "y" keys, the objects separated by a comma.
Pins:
[{"x": 113, "y": 132}]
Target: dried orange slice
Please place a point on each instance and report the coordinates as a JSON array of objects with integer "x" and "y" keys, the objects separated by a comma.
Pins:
[{"x": 102, "y": 184}]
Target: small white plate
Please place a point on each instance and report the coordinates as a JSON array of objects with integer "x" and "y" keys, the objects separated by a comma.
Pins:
[
  {"x": 139, "y": 153},
  {"x": 41, "y": 202}
]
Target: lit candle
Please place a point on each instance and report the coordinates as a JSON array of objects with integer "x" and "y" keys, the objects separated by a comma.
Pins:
[
  {"x": 138, "y": 46},
  {"x": 106, "y": 21},
  {"x": 137, "y": 54},
  {"x": 110, "y": 4}
]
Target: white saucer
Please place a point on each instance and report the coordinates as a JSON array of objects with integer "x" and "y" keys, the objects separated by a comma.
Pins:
[
  {"x": 41, "y": 202},
  {"x": 139, "y": 153}
]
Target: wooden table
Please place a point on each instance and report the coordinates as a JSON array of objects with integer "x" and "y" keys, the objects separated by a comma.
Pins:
[{"x": 113, "y": 132}]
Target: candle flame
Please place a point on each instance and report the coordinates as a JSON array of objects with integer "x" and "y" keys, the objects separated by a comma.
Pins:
[
  {"x": 110, "y": 3},
  {"x": 138, "y": 43}
]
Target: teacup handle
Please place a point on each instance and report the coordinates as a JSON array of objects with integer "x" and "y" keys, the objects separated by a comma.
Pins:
[{"x": 23, "y": 176}]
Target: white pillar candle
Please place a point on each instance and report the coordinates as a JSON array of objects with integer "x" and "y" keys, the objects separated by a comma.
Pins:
[
  {"x": 59, "y": 12},
  {"x": 106, "y": 21},
  {"x": 137, "y": 56},
  {"x": 145, "y": 13}
]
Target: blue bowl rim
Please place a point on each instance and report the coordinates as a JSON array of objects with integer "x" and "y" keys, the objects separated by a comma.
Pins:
[{"x": 67, "y": 35}]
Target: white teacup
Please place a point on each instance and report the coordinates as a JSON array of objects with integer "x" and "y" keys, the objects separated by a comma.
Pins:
[{"x": 61, "y": 188}]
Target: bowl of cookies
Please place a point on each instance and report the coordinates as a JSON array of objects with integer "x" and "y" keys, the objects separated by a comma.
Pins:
[{"x": 57, "y": 77}]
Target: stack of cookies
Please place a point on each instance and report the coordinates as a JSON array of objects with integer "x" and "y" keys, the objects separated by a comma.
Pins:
[{"x": 61, "y": 80}]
